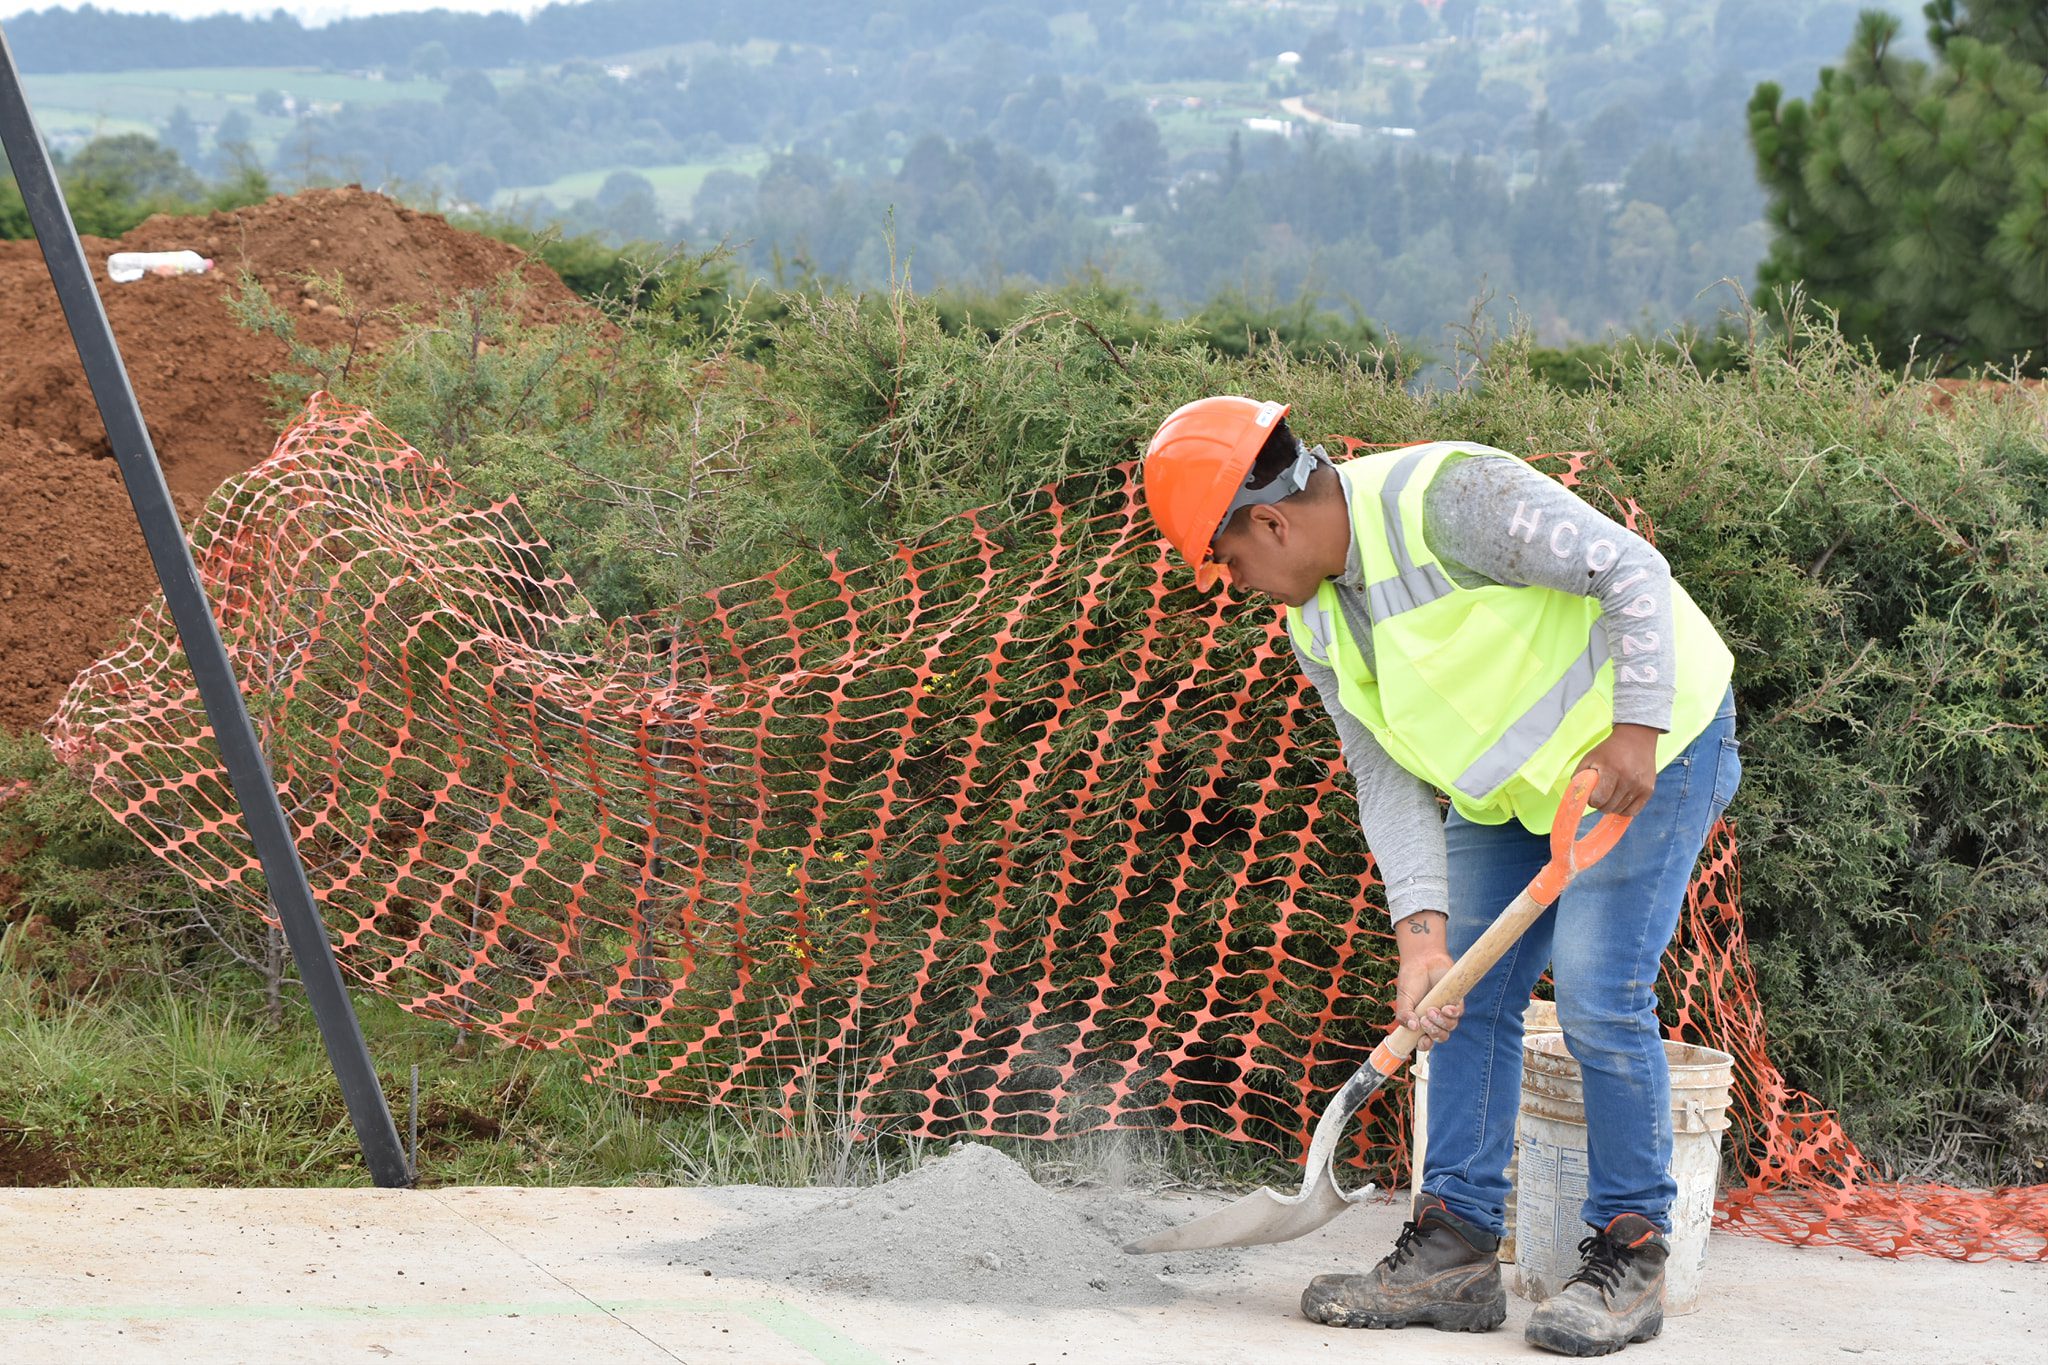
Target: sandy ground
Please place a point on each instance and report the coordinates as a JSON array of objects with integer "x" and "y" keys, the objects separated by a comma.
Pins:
[{"x": 566, "y": 1275}]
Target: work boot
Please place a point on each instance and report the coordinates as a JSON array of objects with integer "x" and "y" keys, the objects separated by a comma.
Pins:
[
  {"x": 1615, "y": 1298},
  {"x": 1443, "y": 1272}
]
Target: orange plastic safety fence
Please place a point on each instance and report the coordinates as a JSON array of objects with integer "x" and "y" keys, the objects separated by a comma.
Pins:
[{"x": 1012, "y": 833}]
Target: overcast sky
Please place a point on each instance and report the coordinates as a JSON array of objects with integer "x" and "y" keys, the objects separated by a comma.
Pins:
[{"x": 310, "y": 11}]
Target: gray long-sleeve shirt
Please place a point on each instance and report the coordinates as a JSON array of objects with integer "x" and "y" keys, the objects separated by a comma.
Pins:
[{"x": 1490, "y": 518}]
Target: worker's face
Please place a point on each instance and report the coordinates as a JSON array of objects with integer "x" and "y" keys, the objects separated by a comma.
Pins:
[{"x": 1265, "y": 549}]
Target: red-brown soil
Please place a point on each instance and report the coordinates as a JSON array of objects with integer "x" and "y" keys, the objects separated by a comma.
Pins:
[
  {"x": 1944, "y": 392},
  {"x": 72, "y": 565}
]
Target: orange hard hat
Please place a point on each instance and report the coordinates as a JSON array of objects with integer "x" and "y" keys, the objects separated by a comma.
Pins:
[{"x": 1194, "y": 467}]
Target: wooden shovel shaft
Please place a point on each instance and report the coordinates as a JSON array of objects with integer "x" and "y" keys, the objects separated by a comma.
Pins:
[
  {"x": 1397, "y": 1047},
  {"x": 1464, "y": 974}
]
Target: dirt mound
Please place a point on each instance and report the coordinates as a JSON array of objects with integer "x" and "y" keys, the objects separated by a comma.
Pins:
[
  {"x": 969, "y": 1228},
  {"x": 72, "y": 566}
]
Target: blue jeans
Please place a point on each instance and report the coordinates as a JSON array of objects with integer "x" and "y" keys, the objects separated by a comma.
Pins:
[{"x": 1603, "y": 941}]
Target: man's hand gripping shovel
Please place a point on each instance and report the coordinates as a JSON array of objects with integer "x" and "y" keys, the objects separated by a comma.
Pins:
[{"x": 1263, "y": 1216}]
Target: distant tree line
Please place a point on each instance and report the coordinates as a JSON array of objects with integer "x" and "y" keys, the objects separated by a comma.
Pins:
[
  {"x": 91, "y": 39},
  {"x": 1156, "y": 39},
  {"x": 113, "y": 183}
]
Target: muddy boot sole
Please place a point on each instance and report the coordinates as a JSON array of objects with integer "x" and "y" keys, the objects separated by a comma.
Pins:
[
  {"x": 1560, "y": 1342},
  {"x": 1445, "y": 1317}
]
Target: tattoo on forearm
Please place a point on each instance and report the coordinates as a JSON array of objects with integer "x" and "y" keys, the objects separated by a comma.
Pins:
[{"x": 1418, "y": 924}]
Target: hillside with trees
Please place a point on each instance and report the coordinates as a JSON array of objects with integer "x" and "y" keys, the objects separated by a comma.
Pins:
[{"x": 1389, "y": 161}]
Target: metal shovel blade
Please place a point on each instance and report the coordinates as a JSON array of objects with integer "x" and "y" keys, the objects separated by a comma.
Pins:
[
  {"x": 1263, "y": 1216},
  {"x": 1260, "y": 1217}
]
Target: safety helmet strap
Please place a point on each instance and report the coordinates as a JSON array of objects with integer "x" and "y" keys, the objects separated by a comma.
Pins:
[{"x": 1291, "y": 480}]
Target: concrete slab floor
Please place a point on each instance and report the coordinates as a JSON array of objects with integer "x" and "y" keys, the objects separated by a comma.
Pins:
[{"x": 557, "y": 1276}]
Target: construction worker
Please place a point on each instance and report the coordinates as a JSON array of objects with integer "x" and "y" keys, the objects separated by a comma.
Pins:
[{"x": 1476, "y": 629}]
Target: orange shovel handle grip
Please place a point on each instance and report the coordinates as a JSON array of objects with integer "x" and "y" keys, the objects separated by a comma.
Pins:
[{"x": 1568, "y": 858}]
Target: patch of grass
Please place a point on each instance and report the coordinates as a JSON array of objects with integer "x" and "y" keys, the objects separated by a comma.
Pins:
[{"x": 147, "y": 1083}]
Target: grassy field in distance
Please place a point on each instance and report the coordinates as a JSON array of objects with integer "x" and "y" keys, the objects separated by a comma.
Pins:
[
  {"x": 675, "y": 186},
  {"x": 73, "y": 107}
]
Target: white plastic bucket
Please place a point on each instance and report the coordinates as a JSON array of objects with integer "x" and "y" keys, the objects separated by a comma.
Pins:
[
  {"x": 1539, "y": 1020},
  {"x": 1551, "y": 1153}
]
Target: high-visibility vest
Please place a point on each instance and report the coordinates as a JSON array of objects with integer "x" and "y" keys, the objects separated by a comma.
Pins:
[{"x": 1492, "y": 694}]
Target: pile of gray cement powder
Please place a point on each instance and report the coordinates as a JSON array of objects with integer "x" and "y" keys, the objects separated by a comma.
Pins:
[{"x": 971, "y": 1227}]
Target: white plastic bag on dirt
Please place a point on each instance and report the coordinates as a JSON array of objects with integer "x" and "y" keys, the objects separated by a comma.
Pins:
[{"x": 126, "y": 267}]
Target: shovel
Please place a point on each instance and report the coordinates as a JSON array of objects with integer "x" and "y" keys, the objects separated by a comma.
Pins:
[{"x": 1263, "y": 1216}]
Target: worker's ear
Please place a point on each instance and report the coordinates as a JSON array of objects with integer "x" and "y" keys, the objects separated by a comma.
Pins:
[{"x": 1269, "y": 521}]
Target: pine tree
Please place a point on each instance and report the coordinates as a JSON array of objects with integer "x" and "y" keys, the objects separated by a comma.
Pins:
[{"x": 1914, "y": 199}]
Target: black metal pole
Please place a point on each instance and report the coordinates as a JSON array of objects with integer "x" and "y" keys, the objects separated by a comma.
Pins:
[{"x": 172, "y": 553}]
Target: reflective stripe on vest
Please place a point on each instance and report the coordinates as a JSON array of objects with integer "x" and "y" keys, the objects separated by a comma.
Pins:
[{"x": 1411, "y": 586}]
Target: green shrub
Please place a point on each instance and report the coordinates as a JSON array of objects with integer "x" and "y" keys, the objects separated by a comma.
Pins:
[
  {"x": 79, "y": 894},
  {"x": 1879, "y": 571},
  {"x": 1582, "y": 365},
  {"x": 1877, "y": 567},
  {"x": 63, "y": 857}
]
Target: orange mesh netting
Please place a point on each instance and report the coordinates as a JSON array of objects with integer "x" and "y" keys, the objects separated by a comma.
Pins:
[{"x": 1012, "y": 833}]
